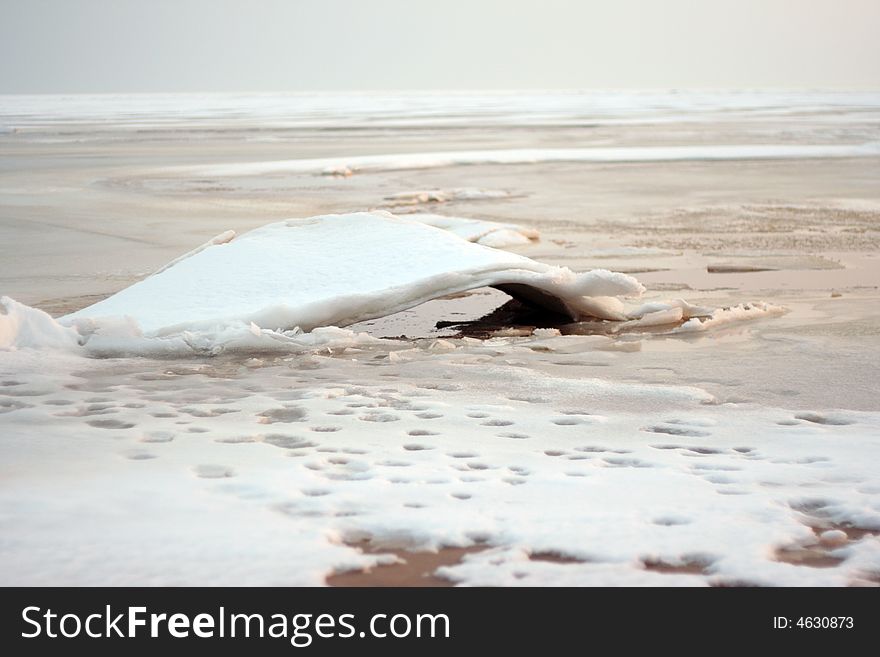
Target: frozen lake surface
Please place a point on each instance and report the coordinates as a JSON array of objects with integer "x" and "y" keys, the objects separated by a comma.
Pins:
[{"x": 630, "y": 451}]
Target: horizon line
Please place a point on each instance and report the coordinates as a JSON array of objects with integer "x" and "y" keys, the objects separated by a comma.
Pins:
[{"x": 461, "y": 91}]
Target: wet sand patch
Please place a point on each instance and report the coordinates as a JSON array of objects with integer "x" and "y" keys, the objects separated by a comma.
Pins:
[{"x": 416, "y": 569}]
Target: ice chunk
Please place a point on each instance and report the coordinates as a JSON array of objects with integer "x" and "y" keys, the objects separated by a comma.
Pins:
[
  {"x": 663, "y": 317},
  {"x": 336, "y": 270},
  {"x": 489, "y": 233},
  {"x": 23, "y": 326},
  {"x": 687, "y": 310},
  {"x": 741, "y": 312}
]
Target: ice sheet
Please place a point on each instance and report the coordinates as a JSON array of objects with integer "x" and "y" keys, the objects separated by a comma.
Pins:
[{"x": 405, "y": 109}]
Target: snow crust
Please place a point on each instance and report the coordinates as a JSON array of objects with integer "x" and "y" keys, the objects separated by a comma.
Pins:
[{"x": 261, "y": 471}]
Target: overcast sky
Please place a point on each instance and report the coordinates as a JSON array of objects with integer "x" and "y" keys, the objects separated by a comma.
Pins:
[{"x": 302, "y": 45}]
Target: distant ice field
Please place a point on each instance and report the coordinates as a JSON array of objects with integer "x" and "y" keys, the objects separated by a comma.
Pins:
[{"x": 377, "y": 110}]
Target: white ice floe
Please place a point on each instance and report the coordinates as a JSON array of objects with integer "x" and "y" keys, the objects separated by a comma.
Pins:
[
  {"x": 722, "y": 316},
  {"x": 24, "y": 327},
  {"x": 652, "y": 308},
  {"x": 488, "y": 233},
  {"x": 410, "y": 161},
  {"x": 336, "y": 270},
  {"x": 683, "y": 317}
]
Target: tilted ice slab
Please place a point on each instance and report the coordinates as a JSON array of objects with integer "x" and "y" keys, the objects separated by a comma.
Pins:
[
  {"x": 288, "y": 286},
  {"x": 403, "y": 161},
  {"x": 336, "y": 270}
]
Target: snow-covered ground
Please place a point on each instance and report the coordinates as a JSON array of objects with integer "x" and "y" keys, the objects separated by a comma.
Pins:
[{"x": 259, "y": 470}]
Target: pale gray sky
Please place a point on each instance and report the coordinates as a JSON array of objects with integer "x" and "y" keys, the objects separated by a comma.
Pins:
[{"x": 300, "y": 45}]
